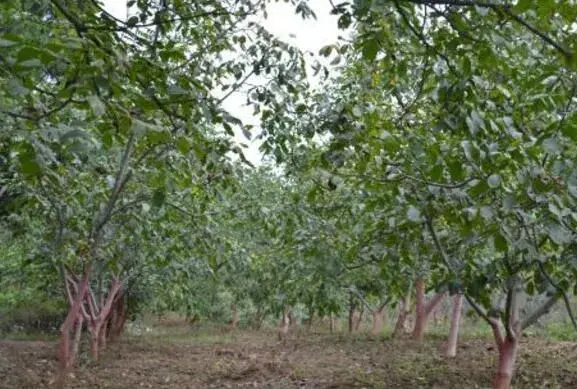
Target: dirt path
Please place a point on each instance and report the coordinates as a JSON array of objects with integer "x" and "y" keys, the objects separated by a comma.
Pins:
[{"x": 256, "y": 360}]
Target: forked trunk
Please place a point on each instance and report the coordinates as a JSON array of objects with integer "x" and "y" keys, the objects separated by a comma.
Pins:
[
  {"x": 99, "y": 318},
  {"x": 423, "y": 310},
  {"x": 506, "y": 367},
  {"x": 455, "y": 323},
  {"x": 67, "y": 347}
]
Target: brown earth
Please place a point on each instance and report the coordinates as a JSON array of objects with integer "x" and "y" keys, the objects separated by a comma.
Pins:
[{"x": 178, "y": 357}]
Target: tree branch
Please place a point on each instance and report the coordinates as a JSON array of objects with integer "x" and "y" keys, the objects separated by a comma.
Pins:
[
  {"x": 542, "y": 310},
  {"x": 561, "y": 291},
  {"x": 362, "y": 299},
  {"x": 121, "y": 178},
  {"x": 430, "y": 306},
  {"x": 505, "y": 9}
]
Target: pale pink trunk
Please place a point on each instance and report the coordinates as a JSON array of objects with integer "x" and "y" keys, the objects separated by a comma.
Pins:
[
  {"x": 284, "y": 325},
  {"x": 359, "y": 319},
  {"x": 506, "y": 367},
  {"x": 420, "y": 313},
  {"x": 97, "y": 326},
  {"x": 423, "y": 310},
  {"x": 377, "y": 322},
  {"x": 507, "y": 345},
  {"x": 94, "y": 342},
  {"x": 455, "y": 322},
  {"x": 77, "y": 338},
  {"x": 68, "y": 347},
  {"x": 66, "y": 358}
]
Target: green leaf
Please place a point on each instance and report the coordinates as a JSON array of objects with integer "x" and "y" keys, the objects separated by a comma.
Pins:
[
  {"x": 28, "y": 162},
  {"x": 6, "y": 43},
  {"x": 370, "y": 49},
  {"x": 72, "y": 134},
  {"x": 28, "y": 53},
  {"x": 523, "y": 6},
  {"x": 558, "y": 233},
  {"x": 570, "y": 132},
  {"x": 132, "y": 21},
  {"x": 494, "y": 181},
  {"x": 325, "y": 51},
  {"x": 159, "y": 197},
  {"x": 414, "y": 214},
  {"x": 500, "y": 242},
  {"x": 97, "y": 106}
]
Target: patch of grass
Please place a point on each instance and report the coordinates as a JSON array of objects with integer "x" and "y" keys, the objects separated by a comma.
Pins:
[
  {"x": 563, "y": 331},
  {"x": 30, "y": 336}
]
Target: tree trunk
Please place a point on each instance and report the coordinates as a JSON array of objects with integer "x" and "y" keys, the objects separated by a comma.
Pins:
[
  {"x": 404, "y": 311},
  {"x": 284, "y": 325},
  {"x": 352, "y": 307},
  {"x": 77, "y": 338},
  {"x": 359, "y": 319},
  {"x": 99, "y": 318},
  {"x": 309, "y": 323},
  {"x": 67, "y": 352},
  {"x": 507, "y": 358},
  {"x": 377, "y": 322},
  {"x": 332, "y": 323},
  {"x": 94, "y": 341},
  {"x": 235, "y": 319},
  {"x": 117, "y": 318},
  {"x": 102, "y": 335},
  {"x": 420, "y": 314},
  {"x": 455, "y": 322},
  {"x": 423, "y": 310}
]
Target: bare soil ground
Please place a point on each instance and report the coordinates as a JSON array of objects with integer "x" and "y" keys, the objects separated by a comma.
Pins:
[{"x": 178, "y": 357}]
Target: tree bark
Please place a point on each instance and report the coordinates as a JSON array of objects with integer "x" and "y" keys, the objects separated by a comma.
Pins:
[
  {"x": 404, "y": 310},
  {"x": 98, "y": 318},
  {"x": 118, "y": 318},
  {"x": 378, "y": 316},
  {"x": 359, "y": 319},
  {"x": 455, "y": 323},
  {"x": 352, "y": 307},
  {"x": 67, "y": 351},
  {"x": 235, "y": 319},
  {"x": 507, "y": 345},
  {"x": 506, "y": 366},
  {"x": 94, "y": 341},
  {"x": 284, "y": 324},
  {"x": 332, "y": 323},
  {"x": 423, "y": 309}
]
